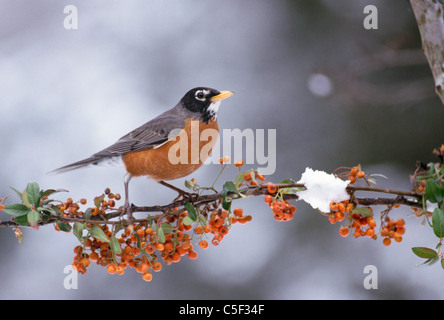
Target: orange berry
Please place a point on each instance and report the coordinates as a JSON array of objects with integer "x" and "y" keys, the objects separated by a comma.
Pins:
[
  {"x": 360, "y": 174},
  {"x": 83, "y": 201},
  {"x": 247, "y": 176},
  {"x": 78, "y": 249},
  {"x": 332, "y": 218},
  {"x": 85, "y": 262},
  {"x": 157, "y": 266},
  {"x": 352, "y": 179},
  {"x": 140, "y": 232},
  {"x": 239, "y": 163},
  {"x": 271, "y": 188},
  {"x": 203, "y": 244},
  {"x": 111, "y": 269},
  {"x": 192, "y": 255},
  {"x": 370, "y": 232},
  {"x": 292, "y": 209},
  {"x": 147, "y": 276},
  {"x": 279, "y": 216},
  {"x": 400, "y": 222},
  {"x": 198, "y": 229},
  {"x": 175, "y": 257},
  {"x": 339, "y": 216},
  {"x": 216, "y": 240},
  {"x": 397, "y": 237},
  {"x": 349, "y": 207},
  {"x": 386, "y": 241},
  {"x": 287, "y": 216},
  {"x": 354, "y": 171},
  {"x": 94, "y": 256},
  {"x": 168, "y": 247},
  {"x": 94, "y": 211},
  {"x": 371, "y": 222},
  {"x": 223, "y": 230},
  {"x": 333, "y": 205},
  {"x": 268, "y": 199},
  {"x": 260, "y": 177},
  {"x": 238, "y": 212},
  {"x": 341, "y": 207},
  {"x": 344, "y": 231},
  {"x": 159, "y": 246}
]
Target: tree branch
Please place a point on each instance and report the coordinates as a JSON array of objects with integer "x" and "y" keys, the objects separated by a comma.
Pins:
[
  {"x": 217, "y": 198},
  {"x": 429, "y": 16}
]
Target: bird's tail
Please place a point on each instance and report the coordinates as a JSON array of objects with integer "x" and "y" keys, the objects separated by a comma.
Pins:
[{"x": 76, "y": 165}]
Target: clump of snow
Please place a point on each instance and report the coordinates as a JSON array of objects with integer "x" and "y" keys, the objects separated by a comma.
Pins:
[{"x": 322, "y": 188}]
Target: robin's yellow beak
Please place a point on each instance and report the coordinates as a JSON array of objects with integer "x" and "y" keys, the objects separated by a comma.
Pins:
[{"x": 222, "y": 95}]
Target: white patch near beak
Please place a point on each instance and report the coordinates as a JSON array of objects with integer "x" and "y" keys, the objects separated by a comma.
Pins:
[{"x": 214, "y": 107}]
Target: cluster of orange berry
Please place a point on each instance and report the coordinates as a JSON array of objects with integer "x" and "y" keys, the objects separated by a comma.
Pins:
[
  {"x": 420, "y": 188},
  {"x": 71, "y": 208},
  {"x": 363, "y": 226},
  {"x": 219, "y": 224},
  {"x": 144, "y": 244},
  {"x": 281, "y": 209},
  {"x": 356, "y": 173},
  {"x": 392, "y": 229}
]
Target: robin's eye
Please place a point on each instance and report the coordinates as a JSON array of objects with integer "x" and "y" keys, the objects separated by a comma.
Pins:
[{"x": 200, "y": 95}]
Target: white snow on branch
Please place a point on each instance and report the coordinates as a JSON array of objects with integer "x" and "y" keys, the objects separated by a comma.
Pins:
[{"x": 322, "y": 188}]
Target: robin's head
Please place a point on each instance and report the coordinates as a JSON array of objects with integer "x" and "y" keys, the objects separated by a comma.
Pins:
[{"x": 205, "y": 101}]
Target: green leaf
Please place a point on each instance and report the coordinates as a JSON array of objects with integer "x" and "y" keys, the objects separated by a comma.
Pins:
[
  {"x": 166, "y": 227},
  {"x": 189, "y": 185},
  {"x": 285, "y": 181},
  {"x": 442, "y": 263},
  {"x": 64, "y": 226},
  {"x": 33, "y": 218},
  {"x": 115, "y": 245},
  {"x": 438, "y": 222},
  {"x": 98, "y": 200},
  {"x": 46, "y": 193},
  {"x": 33, "y": 192},
  {"x": 433, "y": 192},
  {"x": 160, "y": 236},
  {"x": 425, "y": 253},
  {"x": 77, "y": 230},
  {"x": 226, "y": 204},
  {"x": 87, "y": 214},
  {"x": 98, "y": 233},
  {"x": 22, "y": 220},
  {"x": 191, "y": 211},
  {"x": 25, "y": 199},
  {"x": 16, "y": 209},
  {"x": 188, "y": 221},
  {"x": 239, "y": 179},
  {"x": 363, "y": 211},
  {"x": 229, "y": 187}
]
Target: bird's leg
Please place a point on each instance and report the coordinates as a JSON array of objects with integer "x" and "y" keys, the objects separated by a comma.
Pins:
[
  {"x": 181, "y": 192},
  {"x": 127, "y": 206}
]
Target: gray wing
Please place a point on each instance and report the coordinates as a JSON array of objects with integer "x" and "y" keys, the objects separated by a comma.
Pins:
[{"x": 148, "y": 135}]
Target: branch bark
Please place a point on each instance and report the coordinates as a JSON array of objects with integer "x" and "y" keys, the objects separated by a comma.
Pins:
[
  {"x": 407, "y": 198},
  {"x": 430, "y": 20}
]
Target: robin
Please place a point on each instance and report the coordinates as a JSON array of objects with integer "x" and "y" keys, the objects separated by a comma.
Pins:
[{"x": 145, "y": 151}]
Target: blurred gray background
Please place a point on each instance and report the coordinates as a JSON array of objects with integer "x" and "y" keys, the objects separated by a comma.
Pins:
[{"x": 336, "y": 93}]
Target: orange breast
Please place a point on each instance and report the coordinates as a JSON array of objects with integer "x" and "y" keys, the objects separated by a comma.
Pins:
[{"x": 178, "y": 157}]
